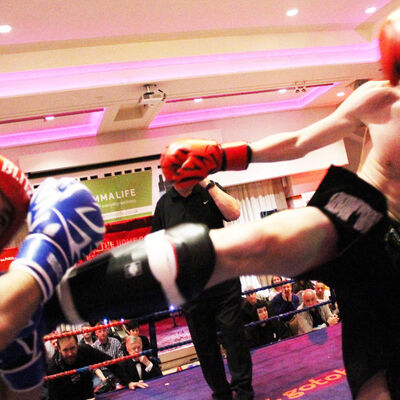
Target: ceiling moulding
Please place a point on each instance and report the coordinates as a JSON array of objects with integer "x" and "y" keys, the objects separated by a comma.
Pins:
[{"x": 61, "y": 79}]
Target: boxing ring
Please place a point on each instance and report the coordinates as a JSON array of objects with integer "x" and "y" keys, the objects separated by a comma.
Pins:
[{"x": 309, "y": 367}]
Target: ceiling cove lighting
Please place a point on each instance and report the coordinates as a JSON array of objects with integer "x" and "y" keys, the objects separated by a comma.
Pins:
[{"x": 55, "y": 134}]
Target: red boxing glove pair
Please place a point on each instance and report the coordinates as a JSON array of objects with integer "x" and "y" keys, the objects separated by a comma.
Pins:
[{"x": 188, "y": 161}]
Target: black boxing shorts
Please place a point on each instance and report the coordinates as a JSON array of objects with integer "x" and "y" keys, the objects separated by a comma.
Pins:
[
  {"x": 353, "y": 205},
  {"x": 356, "y": 209},
  {"x": 364, "y": 276}
]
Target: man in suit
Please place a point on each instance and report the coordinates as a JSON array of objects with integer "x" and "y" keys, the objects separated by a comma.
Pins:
[{"x": 138, "y": 369}]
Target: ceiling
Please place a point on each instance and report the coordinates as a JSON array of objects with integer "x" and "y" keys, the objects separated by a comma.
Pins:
[{"x": 106, "y": 66}]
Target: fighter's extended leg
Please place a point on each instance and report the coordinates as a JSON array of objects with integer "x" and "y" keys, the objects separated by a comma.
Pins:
[{"x": 174, "y": 266}]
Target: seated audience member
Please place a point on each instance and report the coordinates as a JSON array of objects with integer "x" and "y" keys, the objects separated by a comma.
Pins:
[
  {"x": 324, "y": 294},
  {"x": 87, "y": 337},
  {"x": 300, "y": 286},
  {"x": 314, "y": 318},
  {"x": 70, "y": 355},
  {"x": 132, "y": 328},
  {"x": 138, "y": 369},
  {"x": 106, "y": 344},
  {"x": 275, "y": 290},
  {"x": 284, "y": 302},
  {"x": 109, "y": 345},
  {"x": 267, "y": 332},
  {"x": 250, "y": 304}
]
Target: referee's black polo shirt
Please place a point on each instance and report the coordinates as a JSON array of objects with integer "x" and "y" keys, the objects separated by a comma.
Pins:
[{"x": 173, "y": 209}]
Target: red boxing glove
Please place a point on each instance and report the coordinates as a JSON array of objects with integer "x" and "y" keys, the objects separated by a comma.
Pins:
[
  {"x": 188, "y": 161},
  {"x": 389, "y": 43},
  {"x": 15, "y": 194}
]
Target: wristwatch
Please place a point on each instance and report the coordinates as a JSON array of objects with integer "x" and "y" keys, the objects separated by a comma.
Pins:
[{"x": 210, "y": 185}]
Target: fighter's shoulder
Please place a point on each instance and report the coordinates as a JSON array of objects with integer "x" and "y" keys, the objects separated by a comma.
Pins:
[
  {"x": 372, "y": 88},
  {"x": 365, "y": 96}
]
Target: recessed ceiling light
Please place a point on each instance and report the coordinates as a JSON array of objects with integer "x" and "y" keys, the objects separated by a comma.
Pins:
[
  {"x": 49, "y": 118},
  {"x": 199, "y": 100},
  {"x": 370, "y": 10},
  {"x": 5, "y": 28},
  {"x": 340, "y": 94},
  {"x": 282, "y": 90},
  {"x": 292, "y": 12}
]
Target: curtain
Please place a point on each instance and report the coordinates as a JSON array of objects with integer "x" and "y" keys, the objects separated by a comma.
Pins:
[{"x": 257, "y": 199}]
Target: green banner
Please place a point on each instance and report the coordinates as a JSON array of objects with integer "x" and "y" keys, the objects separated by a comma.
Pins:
[{"x": 123, "y": 196}]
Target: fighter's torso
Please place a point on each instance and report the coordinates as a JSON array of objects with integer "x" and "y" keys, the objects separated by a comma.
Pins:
[{"x": 380, "y": 161}]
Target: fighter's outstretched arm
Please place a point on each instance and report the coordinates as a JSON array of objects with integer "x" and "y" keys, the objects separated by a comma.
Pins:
[
  {"x": 296, "y": 144},
  {"x": 187, "y": 161},
  {"x": 348, "y": 117}
]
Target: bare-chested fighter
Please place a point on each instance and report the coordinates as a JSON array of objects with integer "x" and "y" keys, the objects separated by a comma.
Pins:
[
  {"x": 348, "y": 236},
  {"x": 344, "y": 235}
]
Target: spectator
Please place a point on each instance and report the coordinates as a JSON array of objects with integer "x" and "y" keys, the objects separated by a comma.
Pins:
[
  {"x": 277, "y": 289},
  {"x": 109, "y": 345},
  {"x": 321, "y": 292},
  {"x": 314, "y": 318},
  {"x": 250, "y": 304},
  {"x": 106, "y": 344},
  {"x": 132, "y": 328},
  {"x": 324, "y": 294},
  {"x": 268, "y": 331},
  {"x": 87, "y": 337},
  {"x": 285, "y": 301},
  {"x": 217, "y": 307},
  {"x": 70, "y": 355},
  {"x": 138, "y": 369}
]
